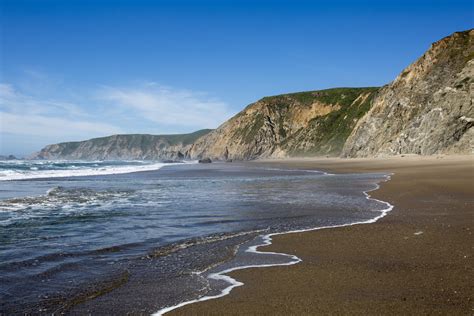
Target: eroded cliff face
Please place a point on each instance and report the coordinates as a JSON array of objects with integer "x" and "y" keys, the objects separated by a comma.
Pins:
[
  {"x": 304, "y": 124},
  {"x": 428, "y": 109},
  {"x": 120, "y": 147}
]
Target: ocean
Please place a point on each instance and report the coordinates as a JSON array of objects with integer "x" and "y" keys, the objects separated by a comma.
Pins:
[{"x": 147, "y": 237}]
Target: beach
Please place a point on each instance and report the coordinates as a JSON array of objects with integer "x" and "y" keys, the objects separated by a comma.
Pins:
[
  {"x": 416, "y": 260},
  {"x": 142, "y": 241}
]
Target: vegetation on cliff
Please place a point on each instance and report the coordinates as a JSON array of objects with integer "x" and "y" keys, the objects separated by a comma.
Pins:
[
  {"x": 326, "y": 135},
  {"x": 303, "y": 123},
  {"x": 427, "y": 109},
  {"x": 127, "y": 146}
]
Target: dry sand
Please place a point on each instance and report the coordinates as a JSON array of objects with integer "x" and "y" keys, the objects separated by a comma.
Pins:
[{"x": 418, "y": 260}]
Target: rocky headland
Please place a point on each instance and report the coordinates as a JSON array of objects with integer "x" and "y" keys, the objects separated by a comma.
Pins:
[{"x": 428, "y": 109}]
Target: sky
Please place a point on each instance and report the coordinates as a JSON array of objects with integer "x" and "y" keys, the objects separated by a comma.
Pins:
[{"x": 73, "y": 70}]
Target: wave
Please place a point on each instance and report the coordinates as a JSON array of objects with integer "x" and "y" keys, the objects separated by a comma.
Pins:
[
  {"x": 36, "y": 170},
  {"x": 267, "y": 240},
  {"x": 61, "y": 198}
]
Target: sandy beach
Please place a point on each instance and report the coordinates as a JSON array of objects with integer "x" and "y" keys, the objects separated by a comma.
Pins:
[{"x": 417, "y": 260}]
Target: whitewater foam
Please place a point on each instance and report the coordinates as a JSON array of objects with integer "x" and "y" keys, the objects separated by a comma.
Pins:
[
  {"x": 74, "y": 171},
  {"x": 267, "y": 240}
]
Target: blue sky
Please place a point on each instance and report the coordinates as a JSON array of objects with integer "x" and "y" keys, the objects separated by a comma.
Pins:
[{"x": 72, "y": 70}]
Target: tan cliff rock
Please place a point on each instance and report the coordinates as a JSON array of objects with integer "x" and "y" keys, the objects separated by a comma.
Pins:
[
  {"x": 123, "y": 147},
  {"x": 428, "y": 109},
  {"x": 305, "y": 123}
]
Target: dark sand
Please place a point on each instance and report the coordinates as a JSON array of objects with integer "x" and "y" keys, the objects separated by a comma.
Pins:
[{"x": 388, "y": 267}]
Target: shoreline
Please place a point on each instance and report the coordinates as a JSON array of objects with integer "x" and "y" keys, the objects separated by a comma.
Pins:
[
  {"x": 144, "y": 274},
  {"x": 267, "y": 241},
  {"x": 248, "y": 298},
  {"x": 92, "y": 171}
]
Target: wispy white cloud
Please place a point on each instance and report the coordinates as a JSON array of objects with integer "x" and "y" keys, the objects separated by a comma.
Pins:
[
  {"x": 25, "y": 115},
  {"x": 14, "y": 101},
  {"x": 39, "y": 83},
  {"x": 168, "y": 106},
  {"x": 39, "y": 125},
  {"x": 31, "y": 117}
]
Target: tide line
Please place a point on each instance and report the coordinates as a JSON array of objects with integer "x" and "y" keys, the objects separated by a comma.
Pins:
[
  {"x": 96, "y": 171},
  {"x": 267, "y": 240}
]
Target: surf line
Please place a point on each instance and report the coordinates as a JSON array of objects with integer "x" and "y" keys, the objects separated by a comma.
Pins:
[
  {"x": 267, "y": 240},
  {"x": 86, "y": 172}
]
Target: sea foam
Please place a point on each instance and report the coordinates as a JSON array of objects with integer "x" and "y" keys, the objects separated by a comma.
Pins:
[
  {"x": 267, "y": 240},
  {"x": 93, "y": 169}
]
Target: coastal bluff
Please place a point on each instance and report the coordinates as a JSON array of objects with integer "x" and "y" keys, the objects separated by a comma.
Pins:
[
  {"x": 123, "y": 147},
  {"x": 299, "y": 124},
  {"x": 428, "y": 109}
]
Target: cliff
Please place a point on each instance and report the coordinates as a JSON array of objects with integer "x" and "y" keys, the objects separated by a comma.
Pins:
[
  {"x": 297, "y": 124},
  {"x": 133, "y": 146},
  {"x": 428, "y": 109},
  {"x": 302, "y": 124}
]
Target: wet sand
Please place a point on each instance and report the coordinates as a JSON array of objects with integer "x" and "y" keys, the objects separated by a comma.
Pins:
[{"x": 418, "y": 260}]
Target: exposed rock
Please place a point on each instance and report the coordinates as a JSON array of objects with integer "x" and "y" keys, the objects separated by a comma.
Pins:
[
  {"x": 304, "y": 124},
  {"x": 428, "y": 109},
  {"x": 117, "y": 147},
  {"x": 205, "y": 160}
]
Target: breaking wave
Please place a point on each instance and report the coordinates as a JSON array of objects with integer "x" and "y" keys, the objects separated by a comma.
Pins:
[{"x": 28, "y": 169}]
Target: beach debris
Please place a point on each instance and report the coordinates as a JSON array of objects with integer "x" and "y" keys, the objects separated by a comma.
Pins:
[
  {"x": 418, "y": 233},
  {"x": 205, "y": 160}
]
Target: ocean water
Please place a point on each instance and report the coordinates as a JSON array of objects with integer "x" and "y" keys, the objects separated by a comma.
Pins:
[{"x": 144, "y": 237}]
